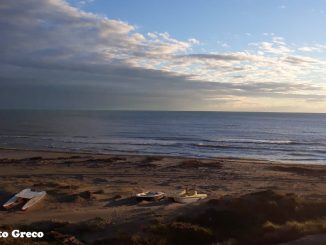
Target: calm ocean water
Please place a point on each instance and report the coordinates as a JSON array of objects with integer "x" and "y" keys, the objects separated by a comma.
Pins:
[{"x": 274, "y": 136}]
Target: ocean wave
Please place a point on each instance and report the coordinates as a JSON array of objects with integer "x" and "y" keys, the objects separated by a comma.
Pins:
[
  {"x": 120, "y": 142},
  {"x": 14, "y": 136},
  {"x": 34, "y": 137},
  {"x": 237, "y": 144},
  {"x": 259, "y": 148},
  {"x": 258, "y": 141}
]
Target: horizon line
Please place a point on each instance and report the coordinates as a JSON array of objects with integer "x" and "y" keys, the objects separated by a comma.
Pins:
[{"x": 144, "y": 110}]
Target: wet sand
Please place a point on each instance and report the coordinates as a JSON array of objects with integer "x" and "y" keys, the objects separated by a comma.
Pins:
[{"x": 83, "y": 186}]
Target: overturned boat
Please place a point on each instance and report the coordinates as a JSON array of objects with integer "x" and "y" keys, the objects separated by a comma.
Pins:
[
  {"x": 150, "y": 196},
  {"x": 187, "y": 196},
  {"x": 27, "y": 195}
]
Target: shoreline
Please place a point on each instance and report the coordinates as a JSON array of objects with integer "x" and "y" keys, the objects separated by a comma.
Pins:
[
  {"x": 83, "y": 187},
  {"x": 47, "y": 151}
]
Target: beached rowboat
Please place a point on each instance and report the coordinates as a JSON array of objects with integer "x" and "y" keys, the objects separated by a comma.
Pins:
[
  {"x": 32, "y": 198},
  {"x": 150, "y": 196},
  {"x": 188, "y": 196}
]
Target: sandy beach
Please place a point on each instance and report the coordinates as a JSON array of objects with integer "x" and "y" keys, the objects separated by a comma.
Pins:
[{"x": 98, "y": 190}]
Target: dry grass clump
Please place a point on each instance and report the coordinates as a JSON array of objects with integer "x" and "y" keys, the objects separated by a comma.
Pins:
[
  {"x": 196, "y": 163},
  {"x": 300, "y": 170},
  {"x": 291, "y": 230},
  {"x": 182, "y": 233},
  {"x": 135, "y": 239},
  {"x": 190, "y": 163}
]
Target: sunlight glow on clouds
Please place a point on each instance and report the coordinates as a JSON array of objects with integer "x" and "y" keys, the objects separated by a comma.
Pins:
[{"x": 55, "y": 44}]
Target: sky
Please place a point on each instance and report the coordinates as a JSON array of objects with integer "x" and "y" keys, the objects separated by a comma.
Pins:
[{"x": 226, "y": 55}]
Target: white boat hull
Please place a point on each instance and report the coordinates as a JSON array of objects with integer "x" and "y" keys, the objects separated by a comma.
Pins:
[
  {"x": 27, "y": 194},
  {"x": 32, "y": 202},
  {"x": 189, "y": 199},
  {"x": 150, "y": 196}
]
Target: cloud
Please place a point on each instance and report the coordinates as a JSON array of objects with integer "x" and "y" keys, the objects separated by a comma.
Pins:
[
  {"x": 296, "y": 60},
  {"x": 224, "y": 57},
  {"x": 309, "y": 49},
  {"x": 194, "y": 41},
  {"x": 277, "y": 46},
  {"x": 83, "y": 2},
  {"x": 314, "y": 48},
  {"x": 57, "y": 55},
  {"x": 54, "y": 31}
]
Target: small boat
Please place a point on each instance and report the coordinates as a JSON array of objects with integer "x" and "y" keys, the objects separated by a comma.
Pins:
[
  {"x": 32, "y": 198},
  {"x": 186, "y": 196},
  {"x": 150, "y": 196}
]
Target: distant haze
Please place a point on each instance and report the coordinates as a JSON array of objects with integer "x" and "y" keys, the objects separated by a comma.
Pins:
[{"x": 247, "y": 55}]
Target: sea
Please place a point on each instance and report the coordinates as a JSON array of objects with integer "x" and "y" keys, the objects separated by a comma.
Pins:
[{"x": 288, "y": 137}]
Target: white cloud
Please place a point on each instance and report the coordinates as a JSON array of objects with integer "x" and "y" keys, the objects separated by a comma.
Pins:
[
  {"x": 83, "y": 2},
  {"x": 313, "y": 48},
  {"x": 308, "y": 49},
  {"x": 53, "y": 35},
  {"x": 194, "y": 41}
]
